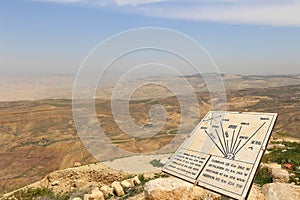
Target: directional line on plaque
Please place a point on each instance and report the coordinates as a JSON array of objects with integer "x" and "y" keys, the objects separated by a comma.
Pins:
[
  {"x": 220, "y": 142},
  {"x": 214, "y": 142},
  {"x": 232, "y": 141},
  {"x": 224, "y": 137},
  {"x": 236, "y": 139},
  {"x": 250, "y": 137}
]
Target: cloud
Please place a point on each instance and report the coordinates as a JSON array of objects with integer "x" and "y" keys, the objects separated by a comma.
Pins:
[
  {"x": 266, "y": 12},
  {"x": 94, "y": 3},
  {"x": 62, "y": 1},
  {"x": 137, "y": 2},
  {"x": 108, "y": 2}
]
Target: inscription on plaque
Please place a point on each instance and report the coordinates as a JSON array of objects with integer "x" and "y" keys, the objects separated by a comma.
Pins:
[{"x": 223, "y": 152}]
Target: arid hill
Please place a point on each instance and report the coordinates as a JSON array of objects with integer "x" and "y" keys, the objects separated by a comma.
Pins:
[{"x": 38, "y": 137}]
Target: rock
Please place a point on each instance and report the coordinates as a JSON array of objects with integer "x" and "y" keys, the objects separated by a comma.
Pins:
[
  {"x": 272, "y": 166},
  {"x": 55, "y": 183},
  {"x": 77, "y": 164},
  {"x": 276, "y": 146},
  {"x": 127, "y": 183},
  {"x": 131, "y": 181},
  {"x": 255, "y": 193},
  {"x": 96, "y": 189},
  {"x": 96, "y": 196},
  {"x": 107, "y": 191},
  {"x": 281, "y": 191},
  {"x": 74, "y": 185},
  {"x": 280, "y": 175},
  {"x": 202, "y": 194},
  {"x": 139, "y": 196},
  {"x": 86, "y": 197},
  {"x": 176, "y": 189},
  {"x": 267, "y": 152},
  {"x": 279, "y": 146},
  {"x": 77, "y": 198},
  {"x": 117, "y": 188},
  {"x": 136, "y": 180}
]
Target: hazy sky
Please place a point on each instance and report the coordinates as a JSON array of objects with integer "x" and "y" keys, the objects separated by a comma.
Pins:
[{"x": 242, "y": 36}]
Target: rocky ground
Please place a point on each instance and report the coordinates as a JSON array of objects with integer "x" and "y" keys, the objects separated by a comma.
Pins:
[
  {"x": 172, "y": 188},
  {"x": 99, "y": 182}
]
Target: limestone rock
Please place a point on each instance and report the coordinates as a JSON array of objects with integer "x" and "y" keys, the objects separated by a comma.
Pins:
[
  {"x": 86, "y": 196},
  {"x": 267, "y": 152},
  {"x": 77, "y": 164},
  {"x": 55, "y": 183},
  {"x": 279, "y": 146},
  {"x": 139, "y": 196},
  {"x": 202, "y": 194},
  {"x": 77, "y": 198},
  {"x": 106, "y": 190},
  {"x": 281, "y": 191},
  {"x": 96, "y": 189},
  {"x": 276, "y": 146},
  {"x": 136, "y": 180},
  {"x": 96, "y": 196},
  {"x": 117, "y": 188},
  {"x": 131, "y": 181},
  {"x": 255, "y": 193},
  {"x": 127, "y": 183},
  {"x": 176, "y": 189},
  {"x": 272, "y": 166},
  {"x": 280, "y": 175}
]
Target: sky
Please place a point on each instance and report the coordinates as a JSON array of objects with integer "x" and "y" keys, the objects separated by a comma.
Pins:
[{"x": 52, "y": 37}]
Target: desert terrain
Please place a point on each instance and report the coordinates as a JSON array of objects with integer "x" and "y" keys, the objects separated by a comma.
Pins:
[{"x": 38, "y": 134}]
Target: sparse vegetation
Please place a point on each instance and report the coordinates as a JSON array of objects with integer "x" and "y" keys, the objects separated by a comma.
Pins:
[
  {"x": 173, "y": 131},
  {"x": 109, "y": 197},
  {"x": 160, "y": 175},
  {"x": 129, "y": 192},
  {"x": 263, "y": 176},
  {"x": 156, "y": 163},
  {"x": 144, "y": 179},
  {"x": 289, "y": 155},
  {"x": 38, "y": 193}
]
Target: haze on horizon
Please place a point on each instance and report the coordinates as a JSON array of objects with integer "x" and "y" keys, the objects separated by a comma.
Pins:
[{"x": 52, "y": 37}]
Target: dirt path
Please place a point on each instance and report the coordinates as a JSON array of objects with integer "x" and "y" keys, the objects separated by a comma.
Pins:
[{"x": 136, "y": 164}]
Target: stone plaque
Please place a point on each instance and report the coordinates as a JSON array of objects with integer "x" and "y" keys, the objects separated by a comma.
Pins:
[{"x": 223, "y": 152}]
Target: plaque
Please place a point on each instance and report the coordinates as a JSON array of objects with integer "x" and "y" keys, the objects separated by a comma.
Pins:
[{"x": 223, "y": 152}]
